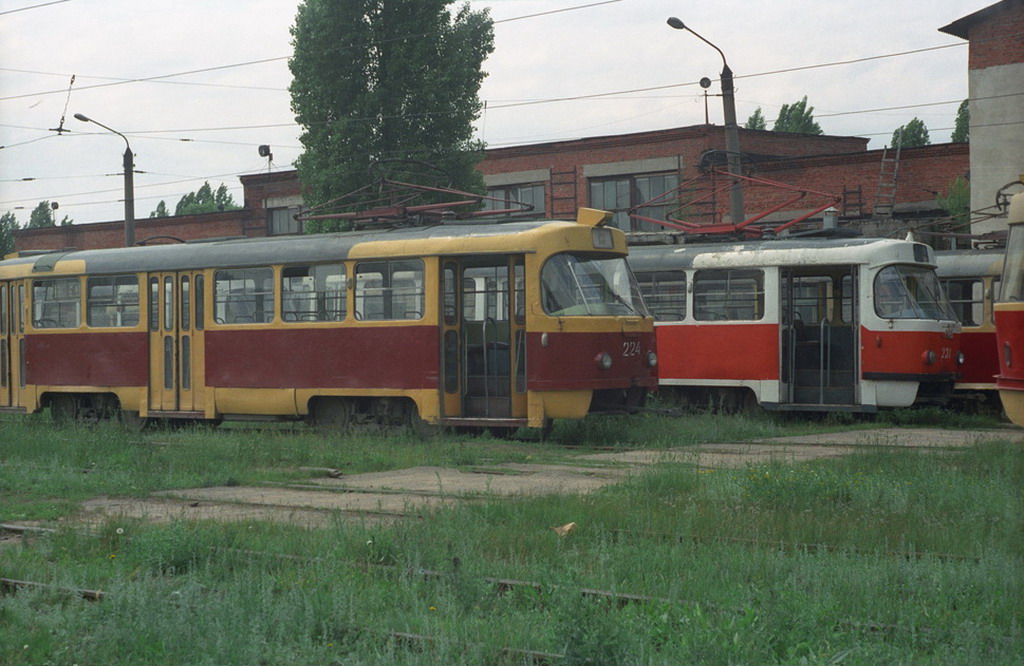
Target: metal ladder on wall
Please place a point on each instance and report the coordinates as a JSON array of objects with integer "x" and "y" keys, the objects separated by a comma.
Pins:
[
  {"x": 885, "y": 196},
  {"x": 563, "y": 194}
]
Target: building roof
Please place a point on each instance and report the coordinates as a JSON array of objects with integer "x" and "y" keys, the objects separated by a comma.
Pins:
[{"x": 961, "y": 27}]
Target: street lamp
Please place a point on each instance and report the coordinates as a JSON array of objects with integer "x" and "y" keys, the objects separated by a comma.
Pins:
[
  {"x": 732, "y": 135},
  {"x": 129, "y": 182}
]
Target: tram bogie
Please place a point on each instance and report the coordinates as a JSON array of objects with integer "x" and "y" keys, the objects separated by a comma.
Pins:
[{"x": 485, "y": 325}]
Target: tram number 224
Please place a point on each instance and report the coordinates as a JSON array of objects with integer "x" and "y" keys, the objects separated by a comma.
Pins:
[{"x": 630, "y": 348}]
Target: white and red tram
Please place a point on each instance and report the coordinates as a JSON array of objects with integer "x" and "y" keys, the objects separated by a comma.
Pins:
[{"x": 811, "y": 324}]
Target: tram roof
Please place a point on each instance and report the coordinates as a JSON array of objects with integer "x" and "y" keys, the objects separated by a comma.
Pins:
[
  {"x": 777, "y": 252},
  {"x": 969, "y": 263},
  {"x": 312, "y": 248}
]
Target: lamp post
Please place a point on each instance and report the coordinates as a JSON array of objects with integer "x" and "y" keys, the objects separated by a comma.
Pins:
[
  {"x": 129, "y": 182},
  {"x": 732, "y": 135}
]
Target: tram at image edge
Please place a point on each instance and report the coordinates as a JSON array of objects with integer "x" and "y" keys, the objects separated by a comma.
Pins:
[
  {"x": 495, "y": 326},
  {"x": 800, "y": 324},
  {"x": 1009, "y": 311}
]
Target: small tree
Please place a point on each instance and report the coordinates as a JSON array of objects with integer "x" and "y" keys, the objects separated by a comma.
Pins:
[
  {"x": 756, "y": 121},
  {"x": 962, "y": 126},
  {"x": 204, "y": 200},
  {"x": 8, "y": 225},
  {"x": 911, "y": 135},
  {"x": 957, "y": 202},
  {"x": 42, "y": 217},
  {"x": 797, "y": 118},
  {"x": 161, "y": 210}
]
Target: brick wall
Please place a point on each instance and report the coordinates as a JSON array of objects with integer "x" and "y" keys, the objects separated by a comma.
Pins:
[
  {"x": 998, "y": 37},
  {"x": 111, "y": 234}
]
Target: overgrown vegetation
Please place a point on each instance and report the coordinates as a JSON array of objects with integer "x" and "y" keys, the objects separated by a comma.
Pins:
[{"x": 889, "y": 555}]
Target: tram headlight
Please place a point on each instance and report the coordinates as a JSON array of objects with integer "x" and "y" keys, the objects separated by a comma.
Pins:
[
  {"x": 603, "y": 361},
  {"x": 960, "y": 358},
  {"x": 652, "y": 360},
  {"x": 928, "y": 357}
]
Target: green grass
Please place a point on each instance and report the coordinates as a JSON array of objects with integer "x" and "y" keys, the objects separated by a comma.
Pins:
[{"x": 884, "y": 556}]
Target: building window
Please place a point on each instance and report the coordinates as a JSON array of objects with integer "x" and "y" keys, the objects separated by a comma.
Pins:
[
  {"x": 621, "y": 193},
  {"x": 509, "y": 196},
  {"x": 281, "y": 221}
]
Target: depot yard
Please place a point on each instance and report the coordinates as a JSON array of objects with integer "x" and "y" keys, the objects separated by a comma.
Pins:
[{"x": 642, "y": 540}]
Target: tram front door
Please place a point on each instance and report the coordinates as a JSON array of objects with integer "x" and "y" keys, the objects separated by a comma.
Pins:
[
  {"x": 819, "y": 335},
  {"x": 484, "y": 338},
  {"x": 176, "y": 345},
  {"x": 12, "y": 341}
]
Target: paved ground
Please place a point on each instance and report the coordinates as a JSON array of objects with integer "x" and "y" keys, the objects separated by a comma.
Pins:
[{"x": 382, "y": 496}]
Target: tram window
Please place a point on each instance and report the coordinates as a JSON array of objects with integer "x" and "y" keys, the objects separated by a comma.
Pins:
[
  {"x": 389, "y": 290},
  {"x": 154, "y": 303},
  {"x": 815, "y": 298},
  {"x": 244, "y": 296},
  {"x": 728, "y": 294},
  {"x": 966, "y": 296},
  {"x": 313, "y": 293},
  {"x": 485, "y": 293},
  {"x": 56, "y": 303},
  {"x": 3, "y": 309},
  {"x": 112, "y": 301},
  {"x": 665, "y": 294},
  {"x": 909, "y": 292},
  {"x": 200, "y": 303},
  {"x": 451, "y": 297},
  {"x": 992, "y": 298}
]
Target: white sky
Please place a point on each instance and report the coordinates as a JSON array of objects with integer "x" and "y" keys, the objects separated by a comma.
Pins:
[{"x": 207, "y": 125}]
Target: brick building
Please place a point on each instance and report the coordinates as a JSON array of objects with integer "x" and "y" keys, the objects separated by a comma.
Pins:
[
  {"x": 613, "y": 173},
  {"x": 995, "y": 84}
]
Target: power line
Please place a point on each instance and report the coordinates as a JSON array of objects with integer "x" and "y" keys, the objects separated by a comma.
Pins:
[{"x": 25, "y": 9}]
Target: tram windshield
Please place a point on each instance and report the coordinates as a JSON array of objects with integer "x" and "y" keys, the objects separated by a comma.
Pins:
[
  {"x": 1012, "y": 288},
  {"x": 576, "y": 284},
  {"x": 910, "y": 292}
]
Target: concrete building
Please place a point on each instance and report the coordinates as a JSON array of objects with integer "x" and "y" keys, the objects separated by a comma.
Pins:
[{"x": 995, "y": 87}]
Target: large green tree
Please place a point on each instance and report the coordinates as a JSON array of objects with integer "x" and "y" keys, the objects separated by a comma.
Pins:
[
  {"x": 8, "y": 225},
  {"x": 379, "y": 82},
  {"x": 797, "y": 118},
  {"x": 911, "y": 135},
  {"x": 962, "y": 125}
]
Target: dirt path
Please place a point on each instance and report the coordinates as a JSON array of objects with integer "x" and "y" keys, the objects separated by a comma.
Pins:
[{"x": 385, "y": 496}]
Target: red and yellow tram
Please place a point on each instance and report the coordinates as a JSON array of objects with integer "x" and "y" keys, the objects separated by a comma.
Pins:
[
  {"x": 464, "y": 325},
  {"x": 1010, "y": 317},
  {"x": 809, "y": 324},
  {"x": 970, "y": 279}
]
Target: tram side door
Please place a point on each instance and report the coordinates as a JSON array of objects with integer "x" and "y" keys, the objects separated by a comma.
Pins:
[
  {"x": 176, "y": 344},
  {"x": 819, "y": 335},
  {"x": 483, "y": 337},
  {"x": 7, "y": 338}
]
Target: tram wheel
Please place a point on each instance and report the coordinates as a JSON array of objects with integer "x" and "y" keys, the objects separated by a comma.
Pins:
[
  {"x": 63, "y": 409},
  {"x": 332, "y": 413}
]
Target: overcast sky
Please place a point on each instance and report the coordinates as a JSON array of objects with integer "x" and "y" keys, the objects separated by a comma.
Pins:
[{"x": 198, "y": 85}]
